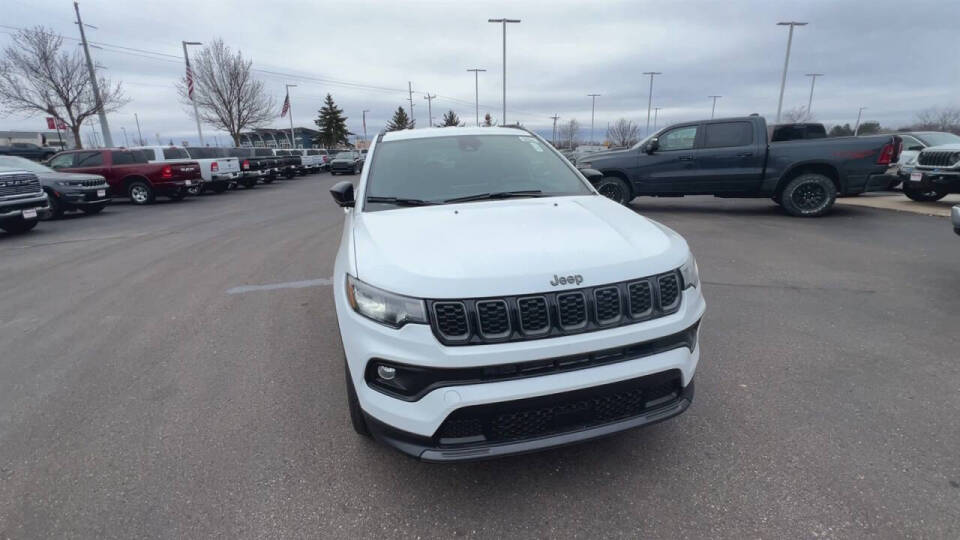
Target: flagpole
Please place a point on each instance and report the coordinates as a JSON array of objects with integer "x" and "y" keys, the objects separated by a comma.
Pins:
[
  {"x": 290, "y": 111},
  {"x": 196, "y": 113}
]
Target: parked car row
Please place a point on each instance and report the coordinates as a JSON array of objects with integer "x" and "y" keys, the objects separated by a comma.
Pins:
[{"x": 88, "y": 180}]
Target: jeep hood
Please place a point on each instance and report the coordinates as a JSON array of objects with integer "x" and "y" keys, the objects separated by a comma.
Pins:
[{"x": 508, "y": 247}]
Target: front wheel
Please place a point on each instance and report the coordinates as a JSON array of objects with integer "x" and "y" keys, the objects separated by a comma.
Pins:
[
  {"x": 615, "y": 189},
  {"x": 18, "y": 225},
  {"x": 808, "y": 195},
  {"x": 56, "y": 207},
  {"x": 921, "y": 195}
]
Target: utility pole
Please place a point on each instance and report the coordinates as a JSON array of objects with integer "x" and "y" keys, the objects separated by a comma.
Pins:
[
  {"x": 593, "y": 110},
  {"x": 503, "y": 117},
  {"x": 856, "y": 130},
  {"x": 714, "y": 109},
  {"x": 124, "y": 130},
  {"x": 139, "y": 135},
  {"x": 410, "y": 97},
  {"x": 786, "y": 62},
  {"x": 476, "y": 90},
  {"x": 104, "y": 127},
  {"x": 650, "y": 96},
  {"x": 364, "y": 113},
  {"x": 293, "y": 143},
  {"x": 555, "y": 118},
  {"x": 656, "y": 110},
  {"x": 813, "y": 80},
  {"x": 429, "y": 99}
]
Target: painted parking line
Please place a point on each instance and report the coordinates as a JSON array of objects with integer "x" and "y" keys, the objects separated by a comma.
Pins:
[{"x": 287, "y": 285}]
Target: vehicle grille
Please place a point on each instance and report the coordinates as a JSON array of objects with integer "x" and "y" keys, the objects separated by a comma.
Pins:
[
  {"x": 938, "y": 159},
  {"x": 19, "y": 184},
  {"x": 92, "y": 183},
  {"x": 559, "y": 413},
  {"x": 518, "y": 318}
]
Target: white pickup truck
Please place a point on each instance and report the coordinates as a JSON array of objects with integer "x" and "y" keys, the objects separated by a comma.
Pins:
[
  {"x": 311, "y": 159},
  {"x": 217, "y": 169}
]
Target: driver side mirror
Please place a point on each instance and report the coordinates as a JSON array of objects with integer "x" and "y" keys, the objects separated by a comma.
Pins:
[
  {"x": 342, "y": 193},
  {"x": 652, "y": 145},
  {"x": 592, "y": 175}
]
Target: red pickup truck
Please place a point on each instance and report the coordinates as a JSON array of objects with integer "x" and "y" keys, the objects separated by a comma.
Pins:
[{"x": 129, "y": 173}]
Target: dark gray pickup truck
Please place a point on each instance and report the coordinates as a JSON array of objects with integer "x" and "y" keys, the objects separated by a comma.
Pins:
[
  {"x": 731, "y": 157},
  {"x": 22, "y": 201}
]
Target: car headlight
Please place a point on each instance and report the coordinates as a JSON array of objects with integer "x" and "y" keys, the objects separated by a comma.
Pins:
[
  {"x": 690, "y": 273},
  {"x": 65, "y": 183},
  {"x": 384, "y": 307}
]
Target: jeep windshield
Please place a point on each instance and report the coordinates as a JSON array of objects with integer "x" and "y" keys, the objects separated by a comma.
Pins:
[{"x": 463, "y": 168}]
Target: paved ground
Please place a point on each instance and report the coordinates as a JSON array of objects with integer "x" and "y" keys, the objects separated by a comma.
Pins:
[
  {"x": 901, "y": 203},
  {"x": 139, "y": 399}
]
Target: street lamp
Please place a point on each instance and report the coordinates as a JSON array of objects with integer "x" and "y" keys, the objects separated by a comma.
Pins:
[
  {"x": 714, "y": 109},
  {"x": 503, "y": 117},
  {"x": 786, "y": 62},
  {"x": 856, "y": 129},
  {"x": 650, "y": 96},
  {"x": 124, "y": 130},
  {"x": 813, "y": 80},
  {"x": 196, "y": 114},
  {"x": 364, "y": 113},
  {"x": 476, "y": 90},
  {"x": 593, "y": 109},
  {"x": 656, "y": 110}
]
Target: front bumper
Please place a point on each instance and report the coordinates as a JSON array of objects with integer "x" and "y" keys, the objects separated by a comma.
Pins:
[
  {"x": 946, "y": 179},
  {"x": 12, "y": 209},
  {"x": 83, "y": 197},
  {"x": 415, "y": 345}
]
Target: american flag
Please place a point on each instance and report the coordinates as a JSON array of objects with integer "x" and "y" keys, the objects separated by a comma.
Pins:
[
  {"x": 189, "y": 82},
  {"x": 286, "y": 106}
]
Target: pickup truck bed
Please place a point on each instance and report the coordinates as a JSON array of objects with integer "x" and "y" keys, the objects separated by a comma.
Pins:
[{"x": 731, "y": 158}]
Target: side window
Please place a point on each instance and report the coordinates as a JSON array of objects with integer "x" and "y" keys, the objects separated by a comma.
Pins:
[
  {"x": 89, "y": 159},
  {"x": 678, "y": 139},
  {"x": 122, "y": 158},
  {"x": 62, "y": 161},
  {"x": 727, "y": 134},
  {"x": 909, "y": 142}
]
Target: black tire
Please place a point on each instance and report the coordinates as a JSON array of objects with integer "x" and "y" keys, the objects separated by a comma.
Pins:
[
  {"x": 219, "y": 187},
  {"x": 248, "y": 183},
  {"x": 56, "y": 207},
  {"x": 18, "y": 225},
  {"x": 808, "y": 195},
  {"x": 140, "y": 192},
  {"x": 615, "y": 189},
  {"x": 93, "y": 209},
  {"x": 356, "y": 413},
  {"x": 195, "y": 190},
  {"x": 921, "y": 195}
]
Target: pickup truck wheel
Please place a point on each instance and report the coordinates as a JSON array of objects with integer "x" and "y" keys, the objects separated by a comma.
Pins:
[
  {"x": 921, "y": 195},
  {"x": 615, "y": 189},
  {"x": 248, "y": 184},
  {"x": 356, "y": 414},
  {"x": 18, "y": 225},
  {"x": 140, "y": 192},
  {"x": 808, "y": 195},
  {"x": 56, "y": 207}
]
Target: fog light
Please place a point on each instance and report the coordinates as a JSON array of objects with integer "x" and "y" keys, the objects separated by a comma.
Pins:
[{"x": 386, "y": 373}]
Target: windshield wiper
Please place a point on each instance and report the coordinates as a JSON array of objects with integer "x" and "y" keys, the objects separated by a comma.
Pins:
[
  {"x": 400, "y": 201},
  {"x": 497, "y": 195}
]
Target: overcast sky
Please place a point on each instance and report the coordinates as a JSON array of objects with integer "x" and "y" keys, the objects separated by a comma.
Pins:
[{"x": 895, "y": 58}]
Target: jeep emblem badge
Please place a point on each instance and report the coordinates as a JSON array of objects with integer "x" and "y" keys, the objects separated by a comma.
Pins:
[{"x": 574, "y": 279}]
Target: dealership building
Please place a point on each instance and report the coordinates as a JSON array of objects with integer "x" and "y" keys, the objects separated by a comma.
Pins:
[{"x": 279, "y": 138}]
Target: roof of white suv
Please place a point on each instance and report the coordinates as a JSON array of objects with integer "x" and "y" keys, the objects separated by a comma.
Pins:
[{"x": 449, "y": 132}]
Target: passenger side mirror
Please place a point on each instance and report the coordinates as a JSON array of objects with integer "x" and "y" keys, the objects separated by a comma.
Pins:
[
  {"x": 592, "y": 175},
  {"x": 342, "y": 193},
  {"x": 652, "y": 145}
]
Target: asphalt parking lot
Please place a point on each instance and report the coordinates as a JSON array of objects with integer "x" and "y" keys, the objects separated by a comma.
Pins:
[{"x": 149, "y": 388}]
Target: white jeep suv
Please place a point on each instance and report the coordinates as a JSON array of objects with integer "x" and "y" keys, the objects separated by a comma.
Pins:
[{"x": 491, "y": 302}]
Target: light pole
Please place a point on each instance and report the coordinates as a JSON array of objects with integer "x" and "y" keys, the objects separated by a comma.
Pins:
[
  {"x": 555, "y": 118},
  {"x": 656, "y": 111},
  {"x": 476, "y": 90},
  {"x": 290, "y": 112},
  {"x": 503, "y": 117},
  {"x": 364, "y": 113},
  {"x": 856, "y": 129},
  {"x": 650, "y": 96},
  {"x": 124, "y": 130},
  {"x": 813, "y": 80},
  {"x": 196, "y": 114},
  {"x": 104, "y": 127},
  {"x": 786, "y": 62},
  {"x": 714, "y": 109},
  {"x": 593, "y": 109},
  {"x": 429, "y": 99},
  {"x": 139, "y": 135}
]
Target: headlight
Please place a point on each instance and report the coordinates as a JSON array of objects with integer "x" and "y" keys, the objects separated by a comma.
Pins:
[
  {"x": 65, "y": 183},
  {"x": 690, "y": 273},
  {"x": 384, "y": 307}
]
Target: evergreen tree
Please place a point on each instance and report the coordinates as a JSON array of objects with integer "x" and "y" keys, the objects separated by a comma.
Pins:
[
  {"x": 450, "y": 119},
  {"x": 332, "y": 124},
  {"x": 400, "y": 121}
]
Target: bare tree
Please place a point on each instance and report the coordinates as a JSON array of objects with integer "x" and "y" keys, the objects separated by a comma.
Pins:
[
  {"x": 37, "y": 76},
  {"x": 227, "y": 95},
  {"x": 623, "y": 132},
  {"x": 938, "y": 119},
  {"x": 569, "y": 133},
  {"x": 797, "y": 115}
]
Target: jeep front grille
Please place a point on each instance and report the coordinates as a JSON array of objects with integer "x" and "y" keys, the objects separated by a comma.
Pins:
[
  {"x": 525, "y": 317},
  {"x": 938, "y": 159}
]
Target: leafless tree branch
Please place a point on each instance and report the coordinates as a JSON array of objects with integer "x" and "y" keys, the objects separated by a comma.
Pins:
[{"x": 623, "y": 132}]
